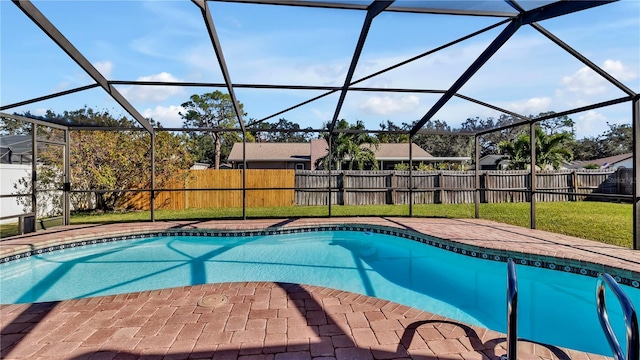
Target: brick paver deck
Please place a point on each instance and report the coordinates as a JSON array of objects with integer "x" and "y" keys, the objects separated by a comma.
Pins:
[{"x": 275, "y": 320}]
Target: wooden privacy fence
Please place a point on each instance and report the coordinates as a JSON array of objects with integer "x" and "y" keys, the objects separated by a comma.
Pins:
[
  {"x": 223, "y": 188},
  {"x": 454, "y": 187}
]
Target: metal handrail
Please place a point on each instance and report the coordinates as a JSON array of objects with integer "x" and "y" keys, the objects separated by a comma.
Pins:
[
  {"x": 512, "y": 311},
  {"x": 630, "y": 318}
]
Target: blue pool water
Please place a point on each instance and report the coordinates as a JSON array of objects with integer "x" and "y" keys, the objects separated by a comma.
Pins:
[{"x": 555, "y": 307}]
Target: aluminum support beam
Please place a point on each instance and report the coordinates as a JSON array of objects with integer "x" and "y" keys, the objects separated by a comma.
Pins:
[
  {"x": 560, "y": 8},
  {"x": 330, "y": 160},
  {"x": 152, "y": 194},
  {"x": 583, "y": 59},
  {"x": 477, "y": 64},
  {"x": 562, "y": 113},
  {"x": 33, "y": 121},
  {"x": 67, "y": 178},
  {"x": 215, "y": 41},
  {"x": 476, "y": 173},
  {"x": 352, "y": 6},
  {"x": 34, "y": 170},
  {"x": 47, "y": 97},
  {"x": 532, "y": 191},
  {"x": 636, "y": 171},
  {"x": 410, "y": 176},
  {"x": 386, "y": 69},
  {"x": 244, "y": 176},
  {"x": 515, "y": 6},
  {"x": 375, "y": 8},
  {"x": 337, "y": 131},
  {"x": 493, "y": 107},
  {"x": 39, "y": 19},
  {"x": 542, "y": 13},
  {"x": 480, "y": 61}
]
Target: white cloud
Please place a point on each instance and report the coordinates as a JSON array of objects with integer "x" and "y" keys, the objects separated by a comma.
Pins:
[
  {"x": 39, "y": 112},
  {"x": 163, "y": 76},
  {"x": 587, "y": 82},
  {"x": 618, "y": 70},
  {"x": 323, "y": 115},
  {"x": 153, "y": 93},
  {"x": 281, "y": 70},
  {"x": 590, "y": 123},
  {"x": 64, "y": 85},
  {"x": 384, "y": 105},
  {"x": 531, "y": 106},
  {"x": 168, "y": 116},
  {"x": 104, "y": 67}
]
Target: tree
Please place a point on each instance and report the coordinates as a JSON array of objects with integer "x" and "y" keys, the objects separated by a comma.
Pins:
[
  {"x": 122, "y": 160},
  {"x": 214, "y": 111},
  {"x": 443, "y": 145},
  {"x": 489, "y": 142},
  {"x": 551, "y": 150},
  {"x": 109, "y": 160},
  {"x": 354, "y": 149},
  {"x": 617, "y": 140},
  {"x": 288, "y": 135},
  {"x": 588, "y": 148},
  {"x": 557, "y": 124},
  {"x": 389, "y": 137}
]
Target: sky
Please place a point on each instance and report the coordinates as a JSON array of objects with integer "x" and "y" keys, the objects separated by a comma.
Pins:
[{"x": 167, "y": 41}]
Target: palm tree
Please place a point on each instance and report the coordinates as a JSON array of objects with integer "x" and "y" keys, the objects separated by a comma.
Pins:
[
  {"x": 353, "y": 149},
  {"x": 550, "y": 150}
]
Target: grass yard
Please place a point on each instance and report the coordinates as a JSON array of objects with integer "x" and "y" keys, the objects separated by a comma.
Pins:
[
  {"x": 604, "y": 222},
  {"x": 11, "y": 229}
]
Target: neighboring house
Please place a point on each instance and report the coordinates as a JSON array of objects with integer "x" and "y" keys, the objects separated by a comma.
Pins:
[
  {"x": 15, "y": 149},
  {"x": 15, "y": 165},
  {"x": 494, "y": 162},
  {"x": 295, "y": 156},
  {"x": 303, "y": 156},
  {"x": 389, "y": 155},
  {"x": 200, "y": 166},
  {"x": 611, "y": 162}
]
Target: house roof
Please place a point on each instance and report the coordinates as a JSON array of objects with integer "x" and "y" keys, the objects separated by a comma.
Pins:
[
  {"x": 493, "y": 158},
  {"x": 19, "y": 144},
  {"x": 386, "y": 151},
  {"x": 15, "y": 148},
  {"x": 272, "y": 152},
  {"x": 302, "y": 152},
  {"x": 603, "y": 162}
]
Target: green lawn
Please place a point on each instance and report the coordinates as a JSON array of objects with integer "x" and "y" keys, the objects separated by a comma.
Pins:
[
  {"x": 605, "y": 222},
  {"x": 7, "y": 230}
]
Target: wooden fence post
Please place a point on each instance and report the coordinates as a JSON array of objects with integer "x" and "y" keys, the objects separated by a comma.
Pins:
[
  {"x": 574, "y": 184},
  {"x": 185, "y": 190},
  {"x": 392, "y": 182},
  {"x": 342, "y": 187},
  {"x": 441, "y": 190},
  {"x": 484, "y": 188}
]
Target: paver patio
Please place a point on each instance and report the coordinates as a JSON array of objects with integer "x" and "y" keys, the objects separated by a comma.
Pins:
[{"x": 259, "y": 320}]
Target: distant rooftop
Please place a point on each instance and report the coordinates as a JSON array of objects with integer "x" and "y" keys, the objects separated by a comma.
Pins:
[{"x": 302, "y": 151}]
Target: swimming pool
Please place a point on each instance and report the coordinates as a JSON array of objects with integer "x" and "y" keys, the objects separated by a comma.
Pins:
[{"x": 556, "y": 307}]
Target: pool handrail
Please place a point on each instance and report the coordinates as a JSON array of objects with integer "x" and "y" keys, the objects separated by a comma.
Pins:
[
  {"x": 630, "y": 318},
  {"x": 512, "y": 311}
]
